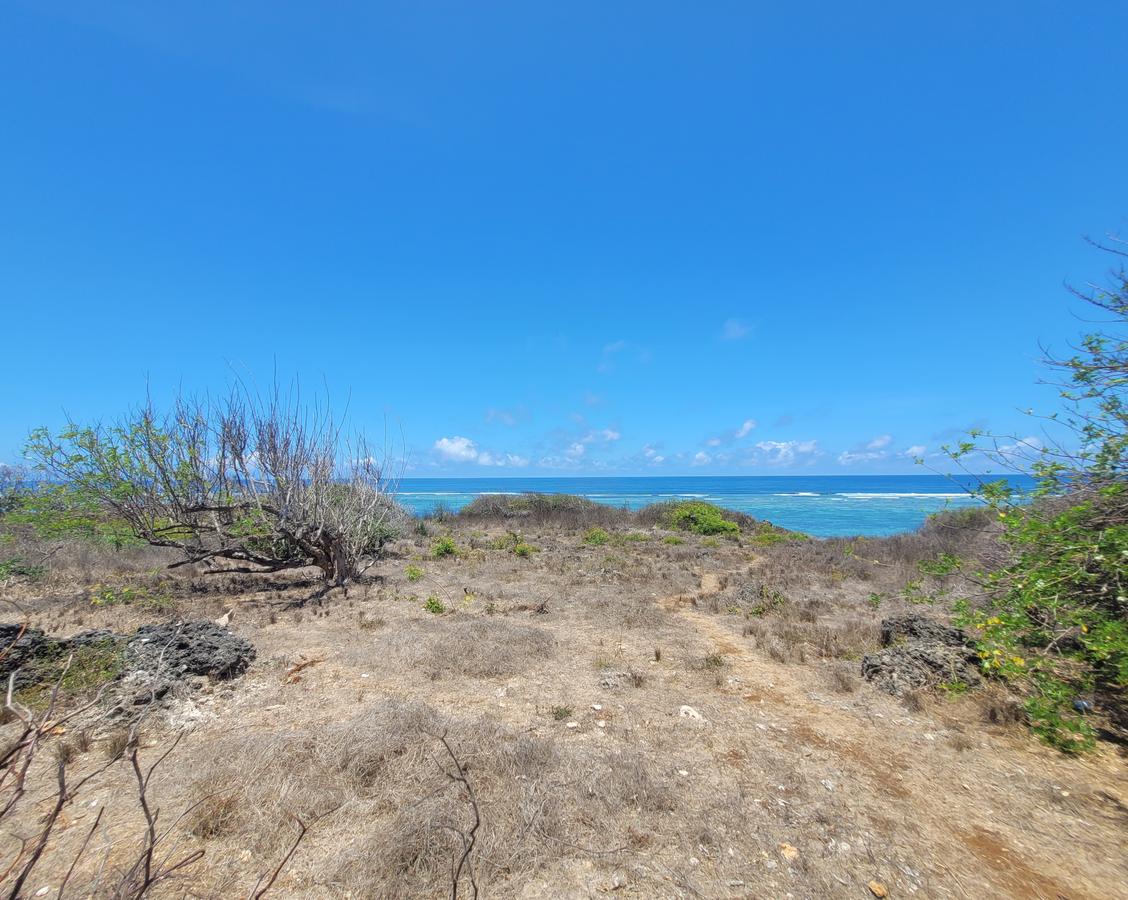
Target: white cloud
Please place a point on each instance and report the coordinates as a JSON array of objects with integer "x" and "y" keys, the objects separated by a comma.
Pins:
[
  {"x": 506, "y": 417},
  {"x": 459, "y": 449},
  {"x": 880, "y": 442},
  {"x": 778, "y": 453},
  {"x": 915, "y": 450},
  {"x": 734, "y": 434},
  {"x": 734, "y": 330},
  {"x": 701, "y": 458},
  {"x": 462, "y": 449},
  {"x": 849, "y": 457},
  {"x": 576, "y": 450}
]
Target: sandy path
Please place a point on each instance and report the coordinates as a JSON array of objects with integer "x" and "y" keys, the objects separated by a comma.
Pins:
[{"x": 974, "y": 844}]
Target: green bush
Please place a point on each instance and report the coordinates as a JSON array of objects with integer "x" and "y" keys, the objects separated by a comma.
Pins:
[
  {"x": 672, "y": 539},
  {"x": 523, "y": 549},
  {"x": 701, "y": 518},
  {"x": 434, "y": 605},
  {"x": 596, "y": 537},
  {"x": 413, "y": 573}
]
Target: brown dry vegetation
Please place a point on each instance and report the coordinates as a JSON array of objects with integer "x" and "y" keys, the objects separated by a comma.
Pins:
[{"x": 560, "y": 682}]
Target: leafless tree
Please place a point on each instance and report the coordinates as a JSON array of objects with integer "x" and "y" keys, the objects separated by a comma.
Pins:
[{"x": 269, "y": 482}]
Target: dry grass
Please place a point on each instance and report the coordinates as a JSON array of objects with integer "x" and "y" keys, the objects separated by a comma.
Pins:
[
  {"x": 382, "y": 778},
  {"x": 637, "y": 798},
  {"x": 486, "y": 647}
]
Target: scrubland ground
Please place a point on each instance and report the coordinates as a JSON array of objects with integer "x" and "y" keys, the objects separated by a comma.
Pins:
[{"x": 663, "y": 714}]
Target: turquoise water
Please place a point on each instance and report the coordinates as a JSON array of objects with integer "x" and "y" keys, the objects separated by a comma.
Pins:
[{"x": 820, "y": 505}]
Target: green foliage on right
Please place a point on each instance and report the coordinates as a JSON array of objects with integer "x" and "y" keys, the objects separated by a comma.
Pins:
[{"x": 1055, "y": 621}]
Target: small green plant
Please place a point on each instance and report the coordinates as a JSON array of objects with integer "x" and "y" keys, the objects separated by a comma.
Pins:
[
  {"x": 560, "y": 713},
  {"x": 413, "y": 573},
  {"x": 954, "y": 688},
  {"x": 524, "y": 550},
  {"x": 769, "y": 600},
  {"x": 673, "y": 540},
  {"x": 875, "y": 599},
  {"x": 711, "y": 543},
  {"x": 596, "y": 537},
  {"x": 104, "y": 595},
  {"x": 444, "y": 546},
  {"x": 434, "y": 605},
  {"x": 913, "y": 592},
  {"x": 635, "y": 537}
]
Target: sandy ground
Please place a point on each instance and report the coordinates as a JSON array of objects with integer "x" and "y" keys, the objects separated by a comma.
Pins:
[{"x": 623, "y": 729}]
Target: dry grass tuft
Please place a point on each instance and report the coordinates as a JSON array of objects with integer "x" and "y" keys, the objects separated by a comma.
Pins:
[{"x": 475, "y": 648}]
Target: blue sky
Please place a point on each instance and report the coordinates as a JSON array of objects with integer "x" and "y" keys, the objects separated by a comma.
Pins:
[{"x": 545, "y": 238}]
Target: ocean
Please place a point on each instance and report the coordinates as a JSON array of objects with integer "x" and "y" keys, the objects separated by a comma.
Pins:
[{"x": 820, "y": 505}]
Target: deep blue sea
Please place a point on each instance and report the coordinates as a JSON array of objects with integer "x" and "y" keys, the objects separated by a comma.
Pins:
[{"x": 820, "y": 505}]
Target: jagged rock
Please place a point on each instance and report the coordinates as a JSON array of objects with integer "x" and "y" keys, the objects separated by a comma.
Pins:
[
  {"x": 20, "y": 648},
  {"x": 155, "y": 658},
  {"x": 189, "y": 648},
  {"x": 920, "y": 652},
  {"x": 920, "y": 630}
]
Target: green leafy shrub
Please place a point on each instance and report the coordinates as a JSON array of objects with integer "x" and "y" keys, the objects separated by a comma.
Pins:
[
  {"x": 596, "y": 537},
  {"x": 769, "y": 535},
  {"x": 523, "y": 549},
  {"x": 444, "y": 546},
  {"x": 560, "y": 713},
  {"x": 434, "y": 605},
  {"x": 413, "y": 573},
  {"x": 57, "y": 511},
  {"x": 673, "y": 539},
  {"x": 701, "y": 518}
]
